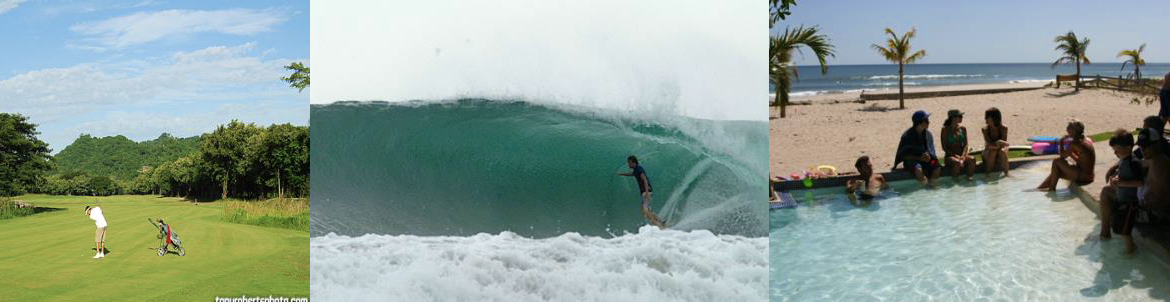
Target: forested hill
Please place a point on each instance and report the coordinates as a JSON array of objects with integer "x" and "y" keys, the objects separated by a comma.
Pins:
[{"x": 120, "y": 157}]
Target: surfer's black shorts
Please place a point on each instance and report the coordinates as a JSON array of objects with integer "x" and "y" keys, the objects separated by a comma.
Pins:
[
  {"x": 1164, "y": 101},
  {"x": 1123, "y": 218}
]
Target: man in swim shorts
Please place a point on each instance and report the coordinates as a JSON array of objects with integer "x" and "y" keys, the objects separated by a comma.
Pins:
[
  {"x": 916, "y": 149},
  {"x": 647, "y": 191}
]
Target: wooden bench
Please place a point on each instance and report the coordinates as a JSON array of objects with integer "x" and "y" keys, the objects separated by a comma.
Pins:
[{"x": 1062, "y": 78}]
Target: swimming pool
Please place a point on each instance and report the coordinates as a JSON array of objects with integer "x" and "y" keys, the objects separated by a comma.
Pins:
[{"x": 986, "y": 242}]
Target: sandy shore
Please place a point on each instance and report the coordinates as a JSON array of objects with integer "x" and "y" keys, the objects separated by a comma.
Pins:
[
  {"x": 852, "y": 96},
  {"x": 837, "y": 133}
]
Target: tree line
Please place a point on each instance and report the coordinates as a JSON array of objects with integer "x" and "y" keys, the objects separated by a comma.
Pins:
[{"x": 237, "y": 160}]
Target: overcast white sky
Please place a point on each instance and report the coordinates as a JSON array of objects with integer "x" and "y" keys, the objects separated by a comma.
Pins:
[{"x": 696, "y": 58}]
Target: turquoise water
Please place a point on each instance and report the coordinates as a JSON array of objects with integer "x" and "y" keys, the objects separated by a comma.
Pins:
[
  {"x": 458, "y": 168},
  {"x": 987, "y": 242}
]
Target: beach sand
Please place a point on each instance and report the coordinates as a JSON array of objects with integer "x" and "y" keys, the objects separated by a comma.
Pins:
[{"x": 837, "y": 133}]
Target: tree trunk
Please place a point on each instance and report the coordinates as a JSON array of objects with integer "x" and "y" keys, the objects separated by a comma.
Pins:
[
  {"x": 781, "y": 97},
  {"x": 1078, "y": 87},
  {"x": 279, "y": 190},
  {"x": 901, "y": 101},
  {"x": 223, "y": 194}
]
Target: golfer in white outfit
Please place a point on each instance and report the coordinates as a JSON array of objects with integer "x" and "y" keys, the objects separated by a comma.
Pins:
[{"x": 99, "y": 236}]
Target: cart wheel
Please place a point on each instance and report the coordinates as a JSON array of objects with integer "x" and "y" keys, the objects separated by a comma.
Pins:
[
  {"x": 162, "y": 251},
  {"x": 182, "y": 252}
]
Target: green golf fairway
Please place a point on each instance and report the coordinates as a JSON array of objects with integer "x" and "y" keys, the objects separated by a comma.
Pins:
[{"x": 48, "y": 256}]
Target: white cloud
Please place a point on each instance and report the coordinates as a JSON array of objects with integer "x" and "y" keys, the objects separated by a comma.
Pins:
[
  {"x": 7, "y": 5},
  {"x": 219, "y": 73},
  {"x": 144, "y": 27}
]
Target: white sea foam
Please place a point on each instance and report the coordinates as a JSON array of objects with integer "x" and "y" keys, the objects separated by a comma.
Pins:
[
  {"x": 651, "y": 265},
  {"x": 890, "y": 84},
  {"x": 1030, "y": 81},
  {"x": 925, "y": 76}
]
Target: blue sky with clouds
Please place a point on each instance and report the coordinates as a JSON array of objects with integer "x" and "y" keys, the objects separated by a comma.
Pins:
[
  {"x": 140, "y": 68},
  {"x": 992, "y": 31}
]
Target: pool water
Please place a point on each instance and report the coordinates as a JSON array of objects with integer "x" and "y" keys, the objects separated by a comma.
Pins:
[{"x": 987, "y": 241}]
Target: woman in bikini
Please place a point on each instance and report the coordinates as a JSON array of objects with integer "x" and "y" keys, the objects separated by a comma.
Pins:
[
  {"x": 954, "y": 143},
  {"x": 1082, "y": 154},
  {"x": 995, "y": 153}
]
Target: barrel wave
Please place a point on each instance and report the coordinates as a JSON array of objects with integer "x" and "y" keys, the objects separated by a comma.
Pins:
[{"x": 462, "y": 167}]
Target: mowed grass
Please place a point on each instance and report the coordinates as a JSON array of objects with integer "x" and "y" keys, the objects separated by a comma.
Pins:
[{"x": 47, "y": 256}]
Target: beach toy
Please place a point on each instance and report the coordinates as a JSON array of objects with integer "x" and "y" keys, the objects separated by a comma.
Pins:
[
  {"x": 808, "y": 182},
  {"x": 827, "y": 170},
  {"x": 1042, "y": 148},
  {"x": 794, "y": 176},
  {"x": 1043, "y": 139}
]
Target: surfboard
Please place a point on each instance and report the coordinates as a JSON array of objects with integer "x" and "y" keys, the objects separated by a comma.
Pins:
[{"x": 1043, "y": 139}]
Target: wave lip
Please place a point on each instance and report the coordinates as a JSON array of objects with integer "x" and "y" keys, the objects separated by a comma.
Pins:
[{"x": 651, "y": 265}]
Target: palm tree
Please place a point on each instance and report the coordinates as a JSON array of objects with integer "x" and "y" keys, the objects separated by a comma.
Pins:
[
  {"x": 1135, "y": 58},
  {"x": 897, "y": 50},
  {"x": 1073, "y": 51},
  {"x": 780, "y": 58}
]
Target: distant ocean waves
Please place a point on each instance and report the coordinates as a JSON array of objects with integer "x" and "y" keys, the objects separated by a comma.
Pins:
[{"x": 840, "y": 79}]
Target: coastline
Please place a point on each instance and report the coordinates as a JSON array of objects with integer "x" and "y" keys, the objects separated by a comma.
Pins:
[
  {"x": 849, "y": 96},
  {"x": 836, "y": 133}
]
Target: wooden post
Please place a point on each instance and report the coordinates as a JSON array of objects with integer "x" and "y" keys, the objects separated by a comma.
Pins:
[{"x": 1118, "y": 82}]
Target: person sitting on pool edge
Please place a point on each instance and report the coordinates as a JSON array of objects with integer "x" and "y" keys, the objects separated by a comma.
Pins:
[
  {"x": 916, "y": 149},
  {"x": 1157, "y": 182},
  {"x": 995, "y": 154},
  {"x": 1119, "y": 198},
  {"x": 869, "y": 185},
  {"x": 1082, "y": 154},
  {"x": 957, "y": 155}
]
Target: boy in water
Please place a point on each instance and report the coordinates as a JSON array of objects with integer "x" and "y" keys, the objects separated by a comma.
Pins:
[
  {"x": 639, "y": 174},
  {"x": 869, "y": 185},
  {"x": 1120, "y": 197}
]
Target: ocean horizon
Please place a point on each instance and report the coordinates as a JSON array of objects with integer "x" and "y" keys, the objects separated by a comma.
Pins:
[{"x": 879, "y": 77}]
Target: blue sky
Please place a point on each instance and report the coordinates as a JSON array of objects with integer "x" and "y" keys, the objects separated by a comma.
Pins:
[
  {"x": 993, "y": 31},
  {"x": 140, "y": 68}
]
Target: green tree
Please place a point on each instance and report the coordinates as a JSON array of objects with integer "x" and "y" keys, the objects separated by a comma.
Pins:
[
  {"x": 101, "y": 186},
  {"x": 779, "y": 9},
  {"x": 24, "y": 159},
  {"x": 1134, "y": 57},
  {"x": 780, "y": 50},
  {"x": 282, "y": 154},
  {"x": 897, "y": 50},
  {"x": 225, "y": 151},
  {"x": 1072, "y": 51},
  {"x": 184, "y": 171},
  {"x": 299, "y": 79}
]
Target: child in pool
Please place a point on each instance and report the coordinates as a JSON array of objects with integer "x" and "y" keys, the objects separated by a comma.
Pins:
[
  {"x": 1119, "y": 199},
  {"x": 869, "y": 185}
]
